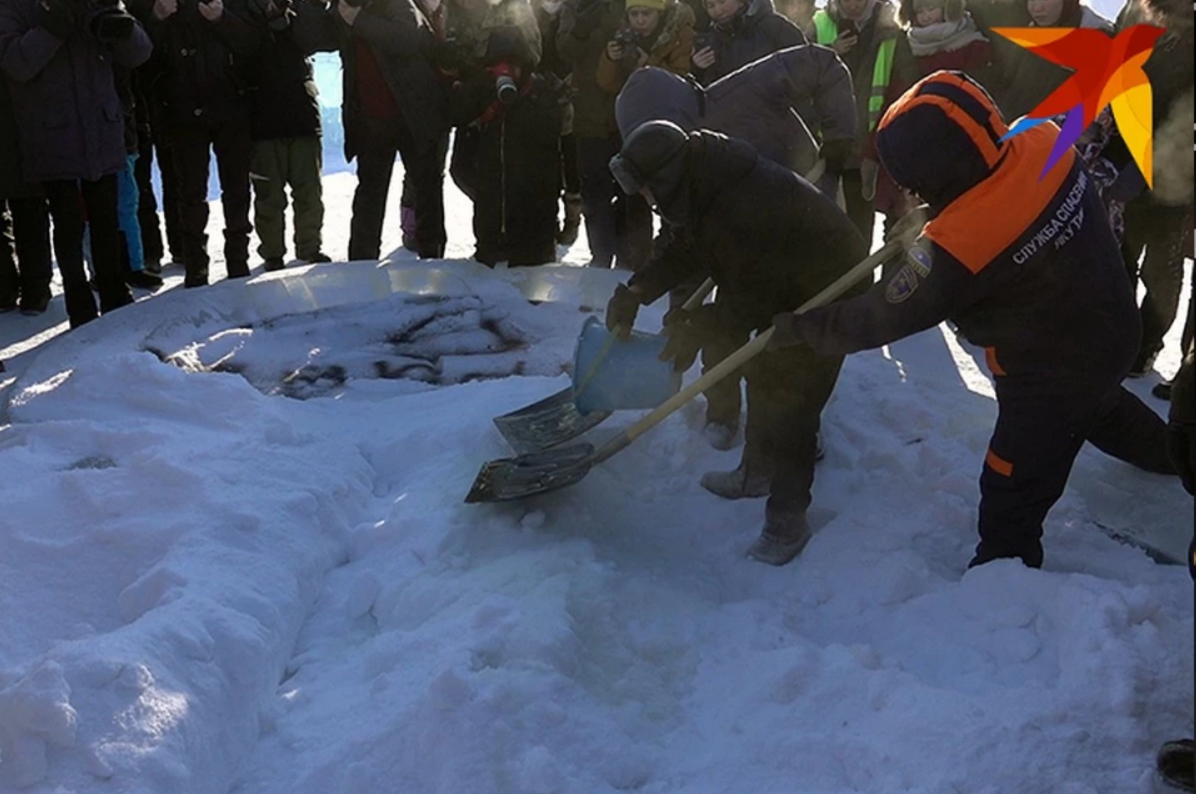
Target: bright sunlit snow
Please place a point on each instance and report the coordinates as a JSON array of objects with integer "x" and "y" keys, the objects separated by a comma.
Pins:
[{"x": 234, "y": 559}]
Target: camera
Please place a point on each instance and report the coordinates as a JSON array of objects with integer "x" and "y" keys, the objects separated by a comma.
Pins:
[
  {"x": 704, "y": 40},
  {"x": 110, "y": 21},
  {"x": 505, "y": 86},
  {"x": 626, "y": 39},
  {"x": 848, "y": 28}
]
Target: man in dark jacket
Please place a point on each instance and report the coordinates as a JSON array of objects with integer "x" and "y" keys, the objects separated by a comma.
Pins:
[
  {"x": 204, "y": 51},
  {"x": 24, "y": 224},
  {"x": 287, "y": 143},
  {"x": 771, "y": 241},
  {"x": 1026, "y": 267},
  {"x": 759, "y": 104},
  {"x": 741, "y": 31},
  {"x": 619, "y": 227},
  {"x": 58, "y": 56},
  {"x": 394, "y": 103}
]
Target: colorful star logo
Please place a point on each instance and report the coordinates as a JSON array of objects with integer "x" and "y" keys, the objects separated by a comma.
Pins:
[{"x": 1108, "y": 71}]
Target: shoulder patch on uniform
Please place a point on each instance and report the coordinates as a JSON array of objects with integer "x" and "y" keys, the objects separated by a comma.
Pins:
[
  {"x": 920, "y": 257},
  {"x": 902, "y": 285}
]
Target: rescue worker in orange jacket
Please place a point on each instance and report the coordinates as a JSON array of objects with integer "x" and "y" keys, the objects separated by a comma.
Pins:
[{"x": 1027, "y": 266}]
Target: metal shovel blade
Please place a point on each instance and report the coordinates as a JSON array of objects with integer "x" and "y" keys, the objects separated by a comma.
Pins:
[
  {"x": 508, "y": 479},
  {"x": 546, "y": 424}
]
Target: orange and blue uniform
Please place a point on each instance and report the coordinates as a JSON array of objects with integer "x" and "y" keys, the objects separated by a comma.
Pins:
[{"x": 1029, "y": 269}]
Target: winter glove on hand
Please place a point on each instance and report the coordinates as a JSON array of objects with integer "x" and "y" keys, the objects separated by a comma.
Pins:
[
  {"x": 58, "y": 17},
  {"x": 1181, "y": 424},
  {"x": 621, "y": 310},
  {"x": 837, "y": 154},
  {"x": 869, "y": 174},
  {"x": 909, "y": 228},
  {"x": 688, "y": 332},
  {"x": 786, "y": 331}
]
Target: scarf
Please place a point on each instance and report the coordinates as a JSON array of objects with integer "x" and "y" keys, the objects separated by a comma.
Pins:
[{"x": 944, "y": 36}]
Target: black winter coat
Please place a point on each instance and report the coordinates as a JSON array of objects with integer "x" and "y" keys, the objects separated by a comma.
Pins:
[
  {"x": 12, "y": 179},
  {"x": 768, "y": 238},
  {"x": 201, "y": 69},
  {"x": 285, "y": 103},
  {"x": 401, "y": 39},
  {"x": 71, "y": 119},
  {"x": 764, "y": 103},
  {"x": 757, "y": 32},
  {"x": 503, "y": 162}
]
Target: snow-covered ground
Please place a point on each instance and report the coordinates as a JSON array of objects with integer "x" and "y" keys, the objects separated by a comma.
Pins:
[{"x": 234, "y": 559}]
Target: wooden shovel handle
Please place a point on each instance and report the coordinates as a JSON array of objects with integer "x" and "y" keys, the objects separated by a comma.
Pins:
[{"x": 742, "y": 355}]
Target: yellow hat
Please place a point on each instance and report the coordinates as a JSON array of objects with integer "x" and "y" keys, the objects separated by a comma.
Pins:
[{"x": 657, "y": 5}]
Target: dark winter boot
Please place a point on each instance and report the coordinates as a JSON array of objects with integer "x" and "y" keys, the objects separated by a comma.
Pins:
[
  {"x": 407, "y": 225},
  {"x": 572, "y": 225},
  {"x": 274, "y": 264},
  {"x": 1175, "y": 764},
  {"x": 752, "y": 479},
  {"x": 783, "y": 537},
  {"x": 1028, "y": 551}
]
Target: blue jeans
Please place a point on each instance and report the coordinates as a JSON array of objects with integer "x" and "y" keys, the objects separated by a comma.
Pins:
[{"x": 128, "y": 197}]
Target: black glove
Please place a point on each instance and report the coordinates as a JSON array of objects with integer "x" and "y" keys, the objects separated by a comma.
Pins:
[
  {"x": 837, "y": 154},
  {"x": 1181, "y": 425},
  {"x": 59, "y": 17},
  {"x": 621, "y": 310},
  {"x": 786, "y": 331},
  {"x": 688, "y": 332}
]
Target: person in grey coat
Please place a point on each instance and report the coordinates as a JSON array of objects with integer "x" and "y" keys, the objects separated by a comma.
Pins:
[
  {"x": 58, "y": 56},
  {"x": 782, "y": 104}
]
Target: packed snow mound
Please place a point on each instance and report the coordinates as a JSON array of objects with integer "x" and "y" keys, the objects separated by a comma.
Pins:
[
  {"x": 428, "y": 339},
  {"x": 206, "y": 589}
]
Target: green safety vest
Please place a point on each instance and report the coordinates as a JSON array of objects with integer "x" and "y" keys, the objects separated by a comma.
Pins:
[{"x": 828, "y": 33}]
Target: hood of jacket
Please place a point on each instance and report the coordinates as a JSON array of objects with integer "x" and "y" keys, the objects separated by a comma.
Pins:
[
  {"x": 654, "y": 94},
  {"x": 713, "y": 163}
]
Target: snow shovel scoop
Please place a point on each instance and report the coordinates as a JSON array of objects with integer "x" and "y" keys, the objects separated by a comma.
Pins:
[
  {"x": 509, "y": 479},
  {"x": 555, "y": 420}
]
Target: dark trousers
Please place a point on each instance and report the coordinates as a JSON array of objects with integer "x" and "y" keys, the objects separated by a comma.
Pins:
[
  {"x": 861, "y": 211},
  {"x": 233, "y": 145},
  {"x": 787, "y": 390},
  {"x": 1160, "y": 231},
  {"x": 24, "y": 251},
  {"x": 95, "y": 203},
  {"x": 1040, "y": 430},
  {"x": 619, "y": 227},
  {"x": 380, "y": 141},
  {"x": 570, "y": 168},
  {"x": 147, "y": 202}
]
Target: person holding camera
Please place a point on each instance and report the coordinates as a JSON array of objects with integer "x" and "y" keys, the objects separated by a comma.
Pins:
[
  {"x": 203, "y": 84},
  {"x": 658, "y": 33},
  {"x": 619, "y": 227},
  {"x": 741, "y": 31},
  {"x": 508, "y": 146},
  {"x": 871, "y": 42},
  {"x": 287, "y": 136},
  {"x": 59, "y": 56}
]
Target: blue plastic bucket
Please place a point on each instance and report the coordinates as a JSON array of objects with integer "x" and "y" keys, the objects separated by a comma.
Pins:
[{"x": 611, "y": 374}]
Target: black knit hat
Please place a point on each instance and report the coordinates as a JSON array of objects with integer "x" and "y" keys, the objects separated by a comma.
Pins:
[{"x": 653, "y": 156}]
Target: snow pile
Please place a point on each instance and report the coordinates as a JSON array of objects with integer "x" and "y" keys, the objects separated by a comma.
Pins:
[{"x": 205, "y": 588}]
